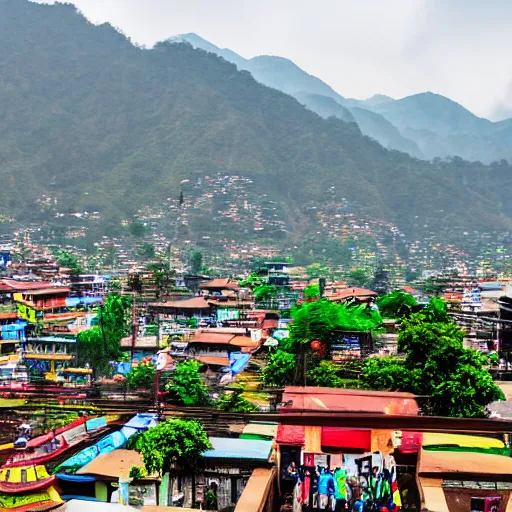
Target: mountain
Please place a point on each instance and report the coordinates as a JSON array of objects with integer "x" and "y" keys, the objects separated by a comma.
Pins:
[
  {"x": 441, "y": 127},
  {"x": 325, "y": 106},
  {"x": 282, "y": 74},
  {"x": 376, "y": 99},
  {"x": 90, "y": 122},
  {"x": 424, "y": 125}
]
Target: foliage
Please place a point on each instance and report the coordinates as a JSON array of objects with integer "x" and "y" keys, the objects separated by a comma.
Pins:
[
  {"x": 316, "y": 270},
  {"x": 436, "y": 365},
  {"x": 265, "y": 292},
  {"x": 436, "y": 311},
  {"x": 137, "y": 228},
  {"x": 136, "y": 472},
  {"x": 195, "y": 261},
  {"x": 234, "y": 402},
  {"x": 396, "y": 304},
  {"x": 187, "y": 384},
  {"x": 280, "y": 368},
  {"x": 321, "y": 319},
  {"x": 325, "y": 375},
  {"x": 102, "y": 344},
  {"x": 142, "y": 376},
  {"x": 312, "y": 291},
  {"x": 68, "y": 260},
  {"x": 252, "y": 281},
  {"x": 147, "y": 251},
  {"x": 180, "y": 440},
  {"x": 359, "y": 277}
]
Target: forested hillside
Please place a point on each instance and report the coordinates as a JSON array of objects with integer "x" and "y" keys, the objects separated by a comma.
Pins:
[{"x": 99, "y": 124}]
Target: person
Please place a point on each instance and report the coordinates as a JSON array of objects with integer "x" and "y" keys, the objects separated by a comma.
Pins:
[{"x": 291, "y": 470}]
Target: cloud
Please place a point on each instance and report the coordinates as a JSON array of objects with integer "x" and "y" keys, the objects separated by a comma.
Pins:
[{"x": 457, "y": 48}]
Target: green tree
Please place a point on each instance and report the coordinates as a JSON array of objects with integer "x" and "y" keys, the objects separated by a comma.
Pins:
[
  {"x": 178, "y": 440},
  {"x": 252, "y": 281},
  {"x": 235, "y": 402},
  {"x": 188, "y": 385},
  {"x": 68, "y": 260},
  {"x": 142, "y": 376},
  {"x": 280, "y": 368},
  {"x": 316, "y": 270},
  {"x": 147, "y": 251},
  {"x": 396, "y": 304},
  {"x": 137, "y": 228},
  {"x": 312, "y": 291},
  {"x": 359, "y": 277},
  {"x": 436, "y": 365},
  {"x": 102, "y": 344},
  {"x": 325, "y": 374},
  {"x": 195, "y": 261},
  {"x": 265, "y": 292}
]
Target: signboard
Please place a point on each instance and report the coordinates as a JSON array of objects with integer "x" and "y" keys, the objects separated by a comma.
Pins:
[
  {"x": 224, "y": 315},
  {"x": 348, "y": 347}
]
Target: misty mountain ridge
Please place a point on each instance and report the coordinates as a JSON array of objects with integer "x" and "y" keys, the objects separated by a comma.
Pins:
[
  {"x": 425, "y": 125},
  {"x": 90, "y": 122}
]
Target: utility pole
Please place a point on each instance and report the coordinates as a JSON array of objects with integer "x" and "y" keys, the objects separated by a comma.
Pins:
[{"x": 134, "y": 329}]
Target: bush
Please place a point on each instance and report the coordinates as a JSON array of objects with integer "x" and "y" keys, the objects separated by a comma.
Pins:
[{"x": 187, "y": 384}]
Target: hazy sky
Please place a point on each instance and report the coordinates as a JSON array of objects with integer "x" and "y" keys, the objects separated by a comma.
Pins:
[{"x": 458, "y": 48}]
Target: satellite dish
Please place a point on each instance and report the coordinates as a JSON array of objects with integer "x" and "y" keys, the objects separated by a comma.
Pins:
[{"x": 160, "y": 361}]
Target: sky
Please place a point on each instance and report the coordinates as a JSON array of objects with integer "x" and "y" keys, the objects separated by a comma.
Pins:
[{"x": 457, "y": 48}]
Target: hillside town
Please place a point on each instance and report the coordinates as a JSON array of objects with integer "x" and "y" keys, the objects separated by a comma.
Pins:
[{"x": 271, "y": 371}]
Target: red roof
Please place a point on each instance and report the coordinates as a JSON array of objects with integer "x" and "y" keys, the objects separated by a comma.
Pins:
[
  {"x": 353, "y": 292},
  {"x": 310, "y": 398},
  {"x": 220, "y": 284},
  {"x": 11, "y": 285},
  {"x": 291, "y": 434}
]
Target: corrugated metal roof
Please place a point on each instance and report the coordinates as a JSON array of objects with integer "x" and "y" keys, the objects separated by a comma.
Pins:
[{"x": 347, "y": 400}]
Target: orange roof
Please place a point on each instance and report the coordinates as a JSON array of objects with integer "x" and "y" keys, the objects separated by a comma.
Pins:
[
  {"x": 308, "y": 398},
  {"x": 49, "y": 291},
  {"x": 225, "y": 283},
  {"x": 244, "y": 341},
  {"x": 192, "y": 303},
  {"x": 209, "y": 337},
  {"x": 11, "y": 285},
  {"x": 433, "y": 463},
  {"x": 353, "y": 292}
]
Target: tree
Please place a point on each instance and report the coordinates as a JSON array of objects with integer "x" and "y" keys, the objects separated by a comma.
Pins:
[
  {"x": 265, "y": 293},
  {"x": 252, "y": 281},
  {"x": 315, "y": 270},
  {"x": 195, "y": 261},
  {"x": 102, "y": 344},
  {"x": 234, "y": 402},
  {"x": 436, "y": 365},
  {"x": 142, "y": 376},
  {"x": 68, "y": 260},
  {"x": 312, "y": 292},
  {"x": 137, "y": 228},
  {"x": 396, "y": 304},
  {"x": 359, "y": 277},
  {"x": 147, "y": 251},
  {"x": 179, "y": 441},
  {"x": 187, "y": 384},
  {"x": 280, "y": 368},
  {"x": 325, "y": 374}
]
